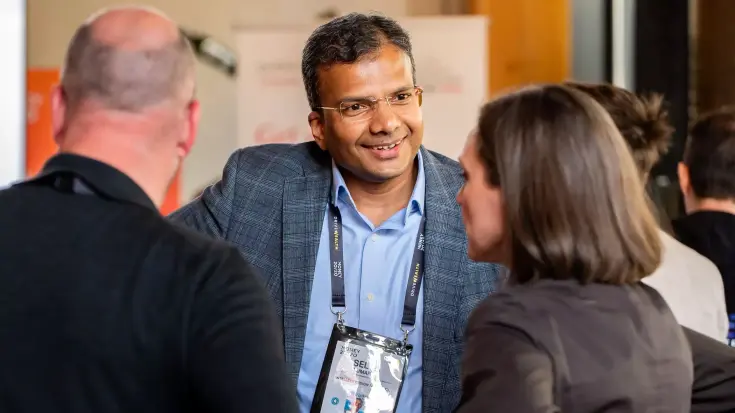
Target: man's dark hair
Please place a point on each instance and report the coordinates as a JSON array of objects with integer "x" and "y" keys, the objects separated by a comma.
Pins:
[
  {"x": 346, "y": 40},
  {"x": 710, "y": 155},
  {"x": 125, "y": 80}
]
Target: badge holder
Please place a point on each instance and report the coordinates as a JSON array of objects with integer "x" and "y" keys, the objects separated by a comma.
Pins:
[{"x": 363, "y": 372}]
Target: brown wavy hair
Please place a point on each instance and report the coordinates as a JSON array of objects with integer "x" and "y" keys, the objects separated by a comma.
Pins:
[{"x": 575, "y": 207}]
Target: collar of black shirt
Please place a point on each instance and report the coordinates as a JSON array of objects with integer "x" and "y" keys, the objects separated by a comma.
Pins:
[{"x": 102, "y": 177}]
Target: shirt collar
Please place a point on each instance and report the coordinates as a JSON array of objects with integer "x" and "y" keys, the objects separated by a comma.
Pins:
[
  {"x": 416, "y": 204},
  {"x": 103, "y": 178}
]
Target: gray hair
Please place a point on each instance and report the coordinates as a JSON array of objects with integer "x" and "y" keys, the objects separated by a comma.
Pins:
[{"x": 126, "y": 80}]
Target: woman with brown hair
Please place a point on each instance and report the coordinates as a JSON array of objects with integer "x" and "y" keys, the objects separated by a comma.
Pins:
[{"x": 552, "y": 192}]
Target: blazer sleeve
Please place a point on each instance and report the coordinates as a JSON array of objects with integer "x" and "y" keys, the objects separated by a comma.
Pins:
[
  {"x": 503, "y": 370},
  {"x": 210, "y": 213},
  {"x": 714, "y": 374}
]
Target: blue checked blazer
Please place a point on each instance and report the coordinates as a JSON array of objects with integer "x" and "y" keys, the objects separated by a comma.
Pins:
[{"x": 271, "y": 203}]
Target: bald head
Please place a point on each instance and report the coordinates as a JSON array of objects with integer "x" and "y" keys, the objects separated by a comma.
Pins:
[{"x": 128, "y": 59}]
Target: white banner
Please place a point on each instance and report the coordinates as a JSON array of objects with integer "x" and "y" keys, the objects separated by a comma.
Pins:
[
  {"x": 13, "y": 87},
  {"x": 451, "y": 66}
]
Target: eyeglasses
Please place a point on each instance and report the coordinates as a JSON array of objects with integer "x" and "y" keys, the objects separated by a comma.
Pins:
[{"x": 362, "y": 109}]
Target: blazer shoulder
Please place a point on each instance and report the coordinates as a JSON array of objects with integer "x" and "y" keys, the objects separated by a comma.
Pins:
[
  {"x": 448, "y": 170},
  {"x": 284, "y": 160},
  {"x": 528, "y": 306},
  {"x": 442, "y": 163},
  {"x": 502, "y": 307}
]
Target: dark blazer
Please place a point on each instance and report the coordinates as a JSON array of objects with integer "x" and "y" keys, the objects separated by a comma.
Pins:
[
  {"x": 271, "y": 203},
  {"x": 558, "y": 346},
  {"x": 712, "y": 234},
  {"x": 714, "y": 374}
]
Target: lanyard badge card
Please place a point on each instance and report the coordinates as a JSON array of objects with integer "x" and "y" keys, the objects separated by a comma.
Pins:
[{"x": 363, "y": 372}]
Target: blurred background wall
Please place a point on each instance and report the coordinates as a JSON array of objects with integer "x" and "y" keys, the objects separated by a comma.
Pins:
[
  {"x": 526, "y": 57},
  {"x": 50, "y": 27},
  {"x": 680, "y": 48},
  {"x": 588, "y": 40}
]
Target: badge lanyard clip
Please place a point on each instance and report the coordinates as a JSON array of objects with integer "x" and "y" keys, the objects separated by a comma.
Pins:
[
  {"x": 339, "y": 314},
  {"x": 406, "y": 332}
]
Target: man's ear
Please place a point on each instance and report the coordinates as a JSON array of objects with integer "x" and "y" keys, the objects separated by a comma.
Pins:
[
  {"x": 683, "y": 172},
  {"x": 58, "y": 114},
  {"x": 192, "y": 127},
  {"x": 316, "y": 123}
]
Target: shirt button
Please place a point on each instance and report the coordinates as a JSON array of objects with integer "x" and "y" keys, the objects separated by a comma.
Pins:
[
  {"x": 374, "y": 237},
  {"x": 370, "y": 297}
]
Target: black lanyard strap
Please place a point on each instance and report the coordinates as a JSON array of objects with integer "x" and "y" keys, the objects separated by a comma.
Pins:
[
  {"x": 64, "y": 181},
  {"x": 415, "y": 274}
]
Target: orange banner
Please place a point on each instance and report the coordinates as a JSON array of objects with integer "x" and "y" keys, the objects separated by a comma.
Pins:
[
  {"x": 40, "y": 145},
  {"x": 171, "y": 202}
]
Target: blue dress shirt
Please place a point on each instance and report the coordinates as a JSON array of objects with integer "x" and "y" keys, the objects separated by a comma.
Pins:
[{"x": 377, "y": 262}]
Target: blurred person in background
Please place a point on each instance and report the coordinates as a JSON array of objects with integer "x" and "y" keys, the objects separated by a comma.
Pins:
[
  {"x": 690, "y": 283},
  {"x": 367, "y": 165},
  {"x": 707, "y": 181},
  {"x": 575, "y": 330},
  {"x": 105, "y": 306}
]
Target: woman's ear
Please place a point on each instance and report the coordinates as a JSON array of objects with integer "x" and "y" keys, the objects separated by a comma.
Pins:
[{"x": 683, "y": 173}]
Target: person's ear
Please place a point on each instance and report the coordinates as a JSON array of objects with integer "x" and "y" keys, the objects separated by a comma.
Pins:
[
  {"x": 316, "y": 123},
  {"x": 58, "y": 114},
  {"x": 191, "y": 130},
  {"x": 683, "y": 173}
]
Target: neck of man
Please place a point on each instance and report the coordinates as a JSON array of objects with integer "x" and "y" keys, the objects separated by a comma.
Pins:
[
  {"x": 717, "y": 205},
  {"x": 125, "y": 152},
  {"x": 379, "y": 201}
]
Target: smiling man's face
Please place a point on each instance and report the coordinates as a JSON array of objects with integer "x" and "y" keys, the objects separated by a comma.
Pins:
[{"x": 371, "y": 139}]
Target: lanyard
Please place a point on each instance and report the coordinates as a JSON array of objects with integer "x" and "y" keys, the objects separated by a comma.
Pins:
[
  {"x": 67, "y": 182},
  {"x": 415, "y": 273}
]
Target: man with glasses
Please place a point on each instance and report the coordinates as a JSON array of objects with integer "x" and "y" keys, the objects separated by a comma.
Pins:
[{"x": 367, "y": 186}]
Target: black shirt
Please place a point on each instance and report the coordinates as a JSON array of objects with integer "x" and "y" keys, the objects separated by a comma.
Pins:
[
  {"x": 712, "y": 234},
  {"x": 105, "y": 306},
  {"x": 714, "y": 374}
]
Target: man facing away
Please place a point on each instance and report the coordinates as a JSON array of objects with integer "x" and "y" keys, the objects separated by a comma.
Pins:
[
  {"x": 105, "y": 306},
  {"x": 279, "y": 204},
  {"x": 707, "y": 180},
  {"x": 690, "y": 283}
]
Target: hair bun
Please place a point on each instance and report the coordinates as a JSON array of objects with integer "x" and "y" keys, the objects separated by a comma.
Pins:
[{"x": 655, "y": 130}]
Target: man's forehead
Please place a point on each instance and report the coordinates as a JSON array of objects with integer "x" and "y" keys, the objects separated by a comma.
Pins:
[{"x": 374, "y": 75}]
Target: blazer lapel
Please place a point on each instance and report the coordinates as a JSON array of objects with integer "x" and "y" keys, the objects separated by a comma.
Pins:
[
  {"x": 442, "y": 283},
  {"x": 304, "y": 203}
]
